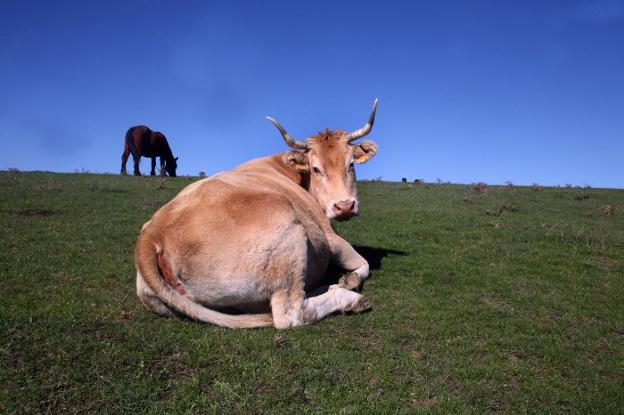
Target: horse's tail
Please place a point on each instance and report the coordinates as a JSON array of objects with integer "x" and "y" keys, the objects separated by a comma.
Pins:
[{"x": 130, "y": 141}]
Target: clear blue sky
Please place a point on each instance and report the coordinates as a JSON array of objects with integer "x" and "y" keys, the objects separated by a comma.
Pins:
[{"x": 527, "y": 91}]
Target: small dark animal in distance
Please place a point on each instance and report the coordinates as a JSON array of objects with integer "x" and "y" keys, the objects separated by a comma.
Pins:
[{"x": 141, "y": 141}]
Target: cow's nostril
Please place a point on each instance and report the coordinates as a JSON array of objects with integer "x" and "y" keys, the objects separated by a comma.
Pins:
[{"x": 344, "y": 206}]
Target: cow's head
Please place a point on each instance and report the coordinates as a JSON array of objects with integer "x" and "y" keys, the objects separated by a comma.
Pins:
[
  {"x": 328, "y": 160},
  {"x": 171, "y": 165}
]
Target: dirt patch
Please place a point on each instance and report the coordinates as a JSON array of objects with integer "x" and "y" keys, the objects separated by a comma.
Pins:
[
  {"x": 261, "y": 388},
  {"x": 553, "y": 316},
  {"x": 495, "y": 303},
  {"x": 513, "y": 382},
  {"x": 34, "y": 213},
  {"x": 606, "y": 263},
  {"x": 370, "y": 340},
  {"x": 424, "y": 403},
  {"x": 172, "y": 367},
  {"x": 64, "y": 276}
]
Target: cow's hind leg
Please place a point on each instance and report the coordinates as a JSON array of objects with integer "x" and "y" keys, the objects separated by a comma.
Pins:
[
  {"x": 150, "y": 299},
  {"x": 290, "y": 308}
]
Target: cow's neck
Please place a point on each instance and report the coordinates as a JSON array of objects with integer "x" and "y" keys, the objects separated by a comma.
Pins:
[
  {"x": 275, "y": 165},
  {"x": 287, "y": 170}
]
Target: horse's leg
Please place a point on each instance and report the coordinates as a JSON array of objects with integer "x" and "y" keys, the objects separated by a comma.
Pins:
[
  {"x": 137, "y": 159},
  {"x": 162, "y": 167},
  {"x": 124, "y": 159},
  {"x": 153, "y": 172}
]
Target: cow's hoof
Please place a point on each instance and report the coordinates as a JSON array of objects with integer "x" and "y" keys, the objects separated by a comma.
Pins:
[
  {"x": 362, "y": 304},
  {"x": 350, "y": 282}
]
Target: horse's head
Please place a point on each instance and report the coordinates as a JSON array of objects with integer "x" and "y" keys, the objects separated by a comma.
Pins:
[{"x": 170, "y": 166}]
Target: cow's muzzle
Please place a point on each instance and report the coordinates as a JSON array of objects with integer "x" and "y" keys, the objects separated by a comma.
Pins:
[{"x": 344, "y": 209}]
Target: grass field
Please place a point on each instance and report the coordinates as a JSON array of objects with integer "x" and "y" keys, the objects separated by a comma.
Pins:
[{"x": 491, "y": 302}]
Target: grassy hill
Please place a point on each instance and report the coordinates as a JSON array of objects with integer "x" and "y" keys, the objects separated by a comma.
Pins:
[{"x": 483, "y": 302}]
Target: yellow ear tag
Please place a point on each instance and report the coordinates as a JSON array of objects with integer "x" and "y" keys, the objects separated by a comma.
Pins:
[
  {"x": 362, "y": 158},
  {"x": 301, "y": 166}
]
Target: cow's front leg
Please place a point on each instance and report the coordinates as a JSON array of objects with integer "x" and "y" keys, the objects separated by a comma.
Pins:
[
  {"x": 347, "y": 258},
  {"x": 153, "y": 171}
]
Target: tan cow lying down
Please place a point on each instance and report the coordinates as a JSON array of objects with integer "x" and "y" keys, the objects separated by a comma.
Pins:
[{"x": 259, "y": 238}]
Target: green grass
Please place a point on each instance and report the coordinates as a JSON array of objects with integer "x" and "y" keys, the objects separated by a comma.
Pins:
[{"x": 473, "y": 312}]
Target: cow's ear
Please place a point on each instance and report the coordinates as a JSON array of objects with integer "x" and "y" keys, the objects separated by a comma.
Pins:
[
  {"x": 297, "y": 159},
  {"x": 364, "y": 151}
]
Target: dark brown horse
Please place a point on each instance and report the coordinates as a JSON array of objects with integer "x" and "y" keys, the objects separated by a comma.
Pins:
[{"x": 141, "y": 141}]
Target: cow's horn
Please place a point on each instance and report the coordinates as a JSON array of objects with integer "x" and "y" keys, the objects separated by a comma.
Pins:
[
  {"x": 367, "y": 128},
  {"x": 296, "y": 144}
]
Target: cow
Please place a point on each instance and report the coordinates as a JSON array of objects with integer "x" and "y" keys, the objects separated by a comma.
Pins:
[
  {"x": 141, "y": 141},
  {"x": 258, "y": 239}
]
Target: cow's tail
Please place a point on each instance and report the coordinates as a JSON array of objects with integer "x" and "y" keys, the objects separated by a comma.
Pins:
[{"x": 147, "y": 265}]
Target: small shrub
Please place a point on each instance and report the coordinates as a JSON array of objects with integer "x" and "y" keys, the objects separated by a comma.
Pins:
[
  {"x": 202, "y": 174},
  {"x": 509, "y": 187},
  {"x": 536, "y": 187},
  {"x": 480, "y": 187},
  {"x": 502, "y": 206},
  {"x": 608, "y": 209},
  {"x": 419, "y": 181}
]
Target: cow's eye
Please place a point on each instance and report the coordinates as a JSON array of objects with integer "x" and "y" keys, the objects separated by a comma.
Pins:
[
  {"x": 351, "y": 166},
  {"x": 316, "y": 170}
]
